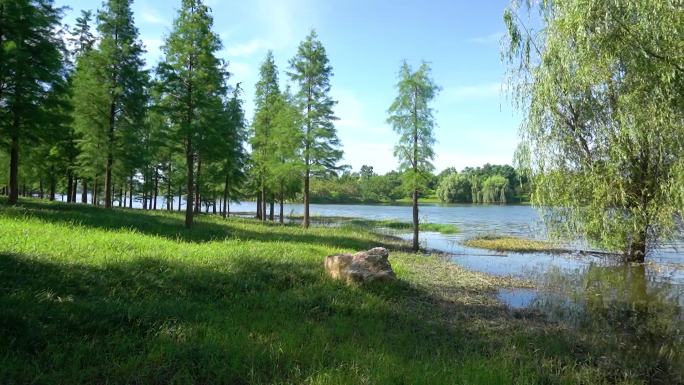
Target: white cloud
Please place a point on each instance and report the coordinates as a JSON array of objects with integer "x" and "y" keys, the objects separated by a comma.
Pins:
[
  {"x": 492, "y": 38},
  {"x": 362, "y": 152},
  {"x": 152, "y": 17},
  {"x": 469, "y": 92},
  {"x": 246, "y": 49}
]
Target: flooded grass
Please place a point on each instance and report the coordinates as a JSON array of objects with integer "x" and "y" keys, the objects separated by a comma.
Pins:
[
  {"x": 399, "y": 225},
  {"x": 503, "y": 243}
]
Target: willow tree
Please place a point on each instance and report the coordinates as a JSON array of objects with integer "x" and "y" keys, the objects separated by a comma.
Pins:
[
  {"x": 411, "y": 117},
  {"x": 601, "y": 84}
]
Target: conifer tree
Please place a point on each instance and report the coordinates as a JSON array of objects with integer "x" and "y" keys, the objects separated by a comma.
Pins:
[
  {"x": 194, "y": 84},
  {"x": 31, "y": 66},
  {"x": 311, "y": 70},
  {"x": 411, "y": 117}
]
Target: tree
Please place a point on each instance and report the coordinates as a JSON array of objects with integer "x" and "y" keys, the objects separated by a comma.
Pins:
[
  {"x": 311, "y": 70},
  {"x": 601, "y": 87},
  {"x": 411, "y": 117},
  {"x": 31, "y": 66},
  {"x": 109, "y": 90},
  {"x": 194, "y": 84},
  {"x": 267, "y": 103},
  {"x": 234, "y": 155},
  {"x": 455, "y": 188}
]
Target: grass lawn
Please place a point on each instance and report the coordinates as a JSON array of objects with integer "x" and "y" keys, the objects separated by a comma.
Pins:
[{"x": 95, "y": 296}]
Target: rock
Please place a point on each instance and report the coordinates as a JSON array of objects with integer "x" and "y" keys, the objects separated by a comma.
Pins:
[{"x": 364, "y": 266}]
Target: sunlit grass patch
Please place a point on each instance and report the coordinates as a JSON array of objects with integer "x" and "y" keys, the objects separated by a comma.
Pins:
[
  {"x": 510, "y": 243},
  {"x": 400, "y": 225}
]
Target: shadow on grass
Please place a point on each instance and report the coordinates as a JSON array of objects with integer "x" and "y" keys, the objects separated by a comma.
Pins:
[
  {"x": 152, "y": 321},
  {"x": 172, "y": 225}
]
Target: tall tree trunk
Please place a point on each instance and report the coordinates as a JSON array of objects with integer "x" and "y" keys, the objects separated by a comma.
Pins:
[
  {"x": 637, "y": 248},
  {"x": 263, "y": 204},
  {"x": 84, "y": 191},
  {"x": 198, "y": 199},
  {"x": 169, "y": 197},
  {"x": 271, "y": 211},
  {"x": 282, "y": 199},
  {"x": 75, "y": 189},
  {"x": 122, "y": 197},
  {"x": 94, "y": 197},
  {"x": 125, "y": 196},
  {"x": 189, "y": 160},
  {"x": 14, "y": 166},
  {"x": 53, "y": 185},
  {"x": 225, "y": 196},
  {"x": 70, "y": 185},
  {"x": 258, "y": 209},
  {"x": 156, "y": 188},
  {"x": 41, "y": 191},
  {"x": 130, "y": 192},
  {"x": 305, "y": 223},
  {"x": 180, "y": 196}
]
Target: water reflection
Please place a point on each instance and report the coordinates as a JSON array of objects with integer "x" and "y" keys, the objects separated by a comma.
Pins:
[{"x": 625, "y": 310}]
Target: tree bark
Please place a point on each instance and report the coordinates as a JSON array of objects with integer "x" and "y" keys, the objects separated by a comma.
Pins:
[
  {"x": 156, "y": 188},
  {"x": 74, "y": 190},
  {"x": 84, "y": 191},
  {"x": 282, "y": 199},
  {"x": 263, "y": 204},
  {"x": 197, "y": 185},
  {"x": 189, "y": 160},
  {"x": 258, "y": 209},
  {"x": 70, "y": 186},
  {"x": 271, "y": 212},
  {"x": 130, "y": 192},
  {"x": 94, "y": 195},
  {"x": 225, "y": 197},
  {"x": 14, "y": 167}
]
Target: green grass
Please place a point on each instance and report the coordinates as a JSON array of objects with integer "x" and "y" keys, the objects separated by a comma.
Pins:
[
  {"x": 93, "y": 296},
  {"x": 510, "y": 243},
  {"x": 399, "y": 225}
]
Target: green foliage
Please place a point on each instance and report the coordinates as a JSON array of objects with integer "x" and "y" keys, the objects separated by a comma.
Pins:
[
  {"x": 31, "y": 67},
  {"x": 455, "y": 188},
  {"x": 601, "y": 86},
  {"x": 193, "y": 80}
]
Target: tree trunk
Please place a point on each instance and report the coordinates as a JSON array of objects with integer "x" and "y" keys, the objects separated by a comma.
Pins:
[
  {"x": 282, "y": 198},
  {"x": 415, "y": 220},
  {"x": 130, "y": 192},
  {"x": 84, "y": 191},
  {"x": 70, "y": 185},
  {"x": 14, "y": 167},
  {"x": 169, "y": 198},
  {"x": 156, "y": 188},
  {"x": 94, "y": 195},
  {"x": 305, "y": 223},
  {"x": 271, "y": 211},
  {"x": 180, "y": 196},
  {"x": 53, "y": 186},
  {"x": 74, "y": 190},
  {"x": 41, "y": 191},
  {"x": 198, "y": 207},
  {"x": 225, "y": 197},
  {"x": 258, "y": 209},
  {"x": 263, "y": 204},
  {"x": 637, "y": 249},
  {"x": 122, "y": 196},
  {"x": 189, "y": 160}
]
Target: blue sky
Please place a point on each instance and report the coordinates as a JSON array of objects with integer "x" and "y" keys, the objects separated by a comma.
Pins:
[{"x": 366, "y": 42}]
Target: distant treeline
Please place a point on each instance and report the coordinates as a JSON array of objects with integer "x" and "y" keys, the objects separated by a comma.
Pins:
[{"x": 486, "y": 184}]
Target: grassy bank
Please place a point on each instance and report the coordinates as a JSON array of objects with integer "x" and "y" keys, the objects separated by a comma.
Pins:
[
  {"x": 515, "y": 244},
  {"x": 124, "y": 296},
  {"x": 399, "y": 225}
]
